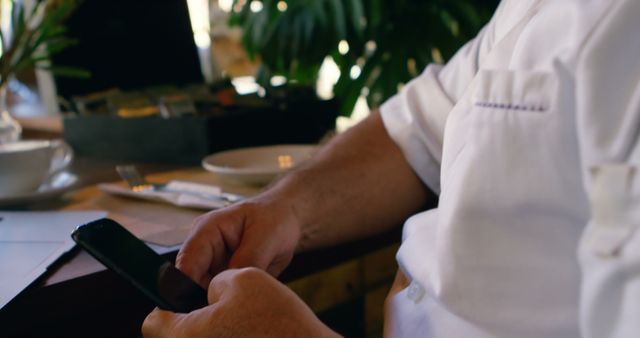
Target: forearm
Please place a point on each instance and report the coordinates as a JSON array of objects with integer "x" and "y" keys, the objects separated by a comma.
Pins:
[{"x": 359, "y": 184}]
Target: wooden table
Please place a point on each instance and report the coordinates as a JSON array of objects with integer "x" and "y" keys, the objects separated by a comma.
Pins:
[{"x": 79, "y": 298}]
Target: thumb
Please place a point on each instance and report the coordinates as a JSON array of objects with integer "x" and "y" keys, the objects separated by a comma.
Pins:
[
  {"x": 220, "y": 284},
  {"x": 160, "y": 323}
]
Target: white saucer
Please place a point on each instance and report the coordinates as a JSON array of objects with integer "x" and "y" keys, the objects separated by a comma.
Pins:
[
  {"x": 59, "y": 184},
  {"x": 258, "y": 165}
]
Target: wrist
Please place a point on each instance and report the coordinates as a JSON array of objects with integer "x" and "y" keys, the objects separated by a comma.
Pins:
[
  {"x": 278, "y": 205},
  {"x": 297, "y": 196}
]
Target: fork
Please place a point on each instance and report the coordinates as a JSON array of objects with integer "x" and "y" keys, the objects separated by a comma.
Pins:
[{"x": 137, "y": 183}]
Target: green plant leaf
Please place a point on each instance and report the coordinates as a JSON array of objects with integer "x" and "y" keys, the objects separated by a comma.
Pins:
[
  {"x": 295, "y": 42},
  {"x": 339, "y": 18},
  {"x": 59, "y": 44},
  {"x": 316, "y": 7},
  {"x": 41, "y": 25},
  {"x": 309, "y": 26},
  {"x": 3, "y": 41},
  {"x": 66, "y": 71},
  {"x": 357, "y": 15},
  {"x": 297, "y": 33},
  {"x": 375, "y": 13}
]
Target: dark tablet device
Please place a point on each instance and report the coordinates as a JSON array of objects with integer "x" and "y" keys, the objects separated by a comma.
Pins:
[{"x": 122, "y": 252}]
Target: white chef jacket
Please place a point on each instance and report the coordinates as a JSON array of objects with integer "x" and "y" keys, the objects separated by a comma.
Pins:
[
  {"x": 608, "y": 105},
  {"x": 514, "y": 133}
]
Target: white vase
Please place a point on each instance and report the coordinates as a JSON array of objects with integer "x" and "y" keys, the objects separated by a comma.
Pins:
[{"x": 10, "y": 129}]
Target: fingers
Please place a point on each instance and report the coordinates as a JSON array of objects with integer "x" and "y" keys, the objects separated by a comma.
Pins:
[
  {"x": 216, "y": 236},
  {"x": 219, "y": 284},
  {"x": 204, "y": 252},
  {"x": 194, "y": 259},
  {"x": 160, "y": 324},
  {"x": 257, "y": 249},
  {"x": 236, "y": 237},
  {"x": 260, "y": 255},
  {"x": 228, "y": 283},
  {"x": 251, "y": 253},
  {"x": 243, "y": 303},
  {"x": 278, "y": 265}
]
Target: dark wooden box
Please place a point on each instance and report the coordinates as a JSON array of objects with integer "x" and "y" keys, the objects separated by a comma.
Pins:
[{"x": 189, "y": 139}]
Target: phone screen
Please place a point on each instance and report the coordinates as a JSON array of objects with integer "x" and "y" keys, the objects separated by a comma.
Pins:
[{"x": 122, "y": 252}]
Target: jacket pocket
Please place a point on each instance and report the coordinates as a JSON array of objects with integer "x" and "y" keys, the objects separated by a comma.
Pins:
[{"x": 520, "y": 91}]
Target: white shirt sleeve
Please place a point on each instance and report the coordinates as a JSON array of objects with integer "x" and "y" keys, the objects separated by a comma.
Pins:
[
  {"x": 416, "y": 116},
  {"x": 608, "y": 122}
]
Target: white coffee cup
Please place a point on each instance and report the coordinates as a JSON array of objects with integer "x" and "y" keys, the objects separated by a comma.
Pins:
[{"x": 26, "y": 165}]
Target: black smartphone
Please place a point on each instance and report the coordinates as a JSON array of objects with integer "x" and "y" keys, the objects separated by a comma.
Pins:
[{"x": 119, "y": 250}]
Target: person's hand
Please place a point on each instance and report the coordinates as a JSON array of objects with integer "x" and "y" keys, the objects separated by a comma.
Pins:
[
  {"x": 260, "y": 233},
  {"x": 243, "y": 303}
]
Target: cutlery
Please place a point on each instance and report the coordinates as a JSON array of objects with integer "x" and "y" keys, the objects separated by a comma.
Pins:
[{"x": 137, "y": 183}]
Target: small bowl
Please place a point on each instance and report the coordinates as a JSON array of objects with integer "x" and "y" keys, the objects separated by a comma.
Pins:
[{"x": 258, "y": 165}]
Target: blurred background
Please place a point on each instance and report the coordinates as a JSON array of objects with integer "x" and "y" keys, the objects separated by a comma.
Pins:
[
  {"x": 171, "y": 81},
  {"x": 359, "y": 51}
]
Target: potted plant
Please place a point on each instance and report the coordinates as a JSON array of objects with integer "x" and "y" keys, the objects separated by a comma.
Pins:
[
  {"x": 378, "y": 45},
  {"x": 30, "y": 32}
]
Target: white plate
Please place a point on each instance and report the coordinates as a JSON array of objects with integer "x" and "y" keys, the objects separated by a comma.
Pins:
[
  {"x": 59, "y": 184},
  {"x": 258, "y": 165}
]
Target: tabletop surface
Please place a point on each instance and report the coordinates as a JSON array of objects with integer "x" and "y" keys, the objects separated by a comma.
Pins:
[{"x": 79, "y": 292}]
